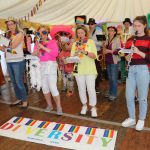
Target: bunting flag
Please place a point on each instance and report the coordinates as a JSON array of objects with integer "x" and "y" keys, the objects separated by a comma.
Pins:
[
  {"x": 60, "y": 135},
  {"x": 40, "y": 2},
  {"x": 28, "y": 16},
  {"x": 37, "y": 6},
  {"x": 34, "y": 10}
]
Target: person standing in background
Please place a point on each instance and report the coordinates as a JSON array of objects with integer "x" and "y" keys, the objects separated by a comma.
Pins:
[
  {"x": 93, "y": 35},
  {"x": 127, "y": 33},
  {"x": 110, "y": 50},
  {"x": 138, "y": 74},
  {"x": 47, "y": 51},
  {"x": 15, "y": 61},
  {"x": 85, "y": 72},
  {"x": 2, "y": 78}
]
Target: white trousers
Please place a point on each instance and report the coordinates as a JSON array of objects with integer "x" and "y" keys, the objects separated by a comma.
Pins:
[
  {"x": 87, "y": 82},
  {"x": 49, "y": 78}
]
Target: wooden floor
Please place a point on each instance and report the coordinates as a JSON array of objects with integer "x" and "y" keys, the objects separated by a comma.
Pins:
[{"x": 111, "y": 114}]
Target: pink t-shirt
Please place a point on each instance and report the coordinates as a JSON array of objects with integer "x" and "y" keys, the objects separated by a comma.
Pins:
[{"x": 45, "y": 56}]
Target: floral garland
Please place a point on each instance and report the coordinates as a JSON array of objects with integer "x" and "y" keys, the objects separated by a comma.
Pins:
[
  {"x": 44, "y": 43},
  {"x": 9, "y": 50},
  {"x": 81, "y": 45}
]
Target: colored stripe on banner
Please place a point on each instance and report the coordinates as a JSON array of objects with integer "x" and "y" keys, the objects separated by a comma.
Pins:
[
  {"x": 90, "y": 131},
  {"x": 18, "y": 119},
  {"x": 108, "y": 133},
  {"x": 74, "y": 129},
  {"x": 31, "y": 122},
  {"x": 44, "y": 124},
  {"x": 59, "y": 127}
]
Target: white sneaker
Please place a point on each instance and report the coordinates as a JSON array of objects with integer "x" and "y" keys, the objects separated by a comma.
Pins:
[
  {"x": 48, "y": 109},
  {"x": 59, "y": 111},
  {"x": 140, "y": 125},
  {"x": 93, "y": 112},
  {"x": 84, "y": 110},
  {"x": 128, "y": 122}
]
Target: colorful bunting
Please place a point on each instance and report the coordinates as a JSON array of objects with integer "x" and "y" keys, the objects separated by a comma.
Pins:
[{"x": 34, "y": 10}]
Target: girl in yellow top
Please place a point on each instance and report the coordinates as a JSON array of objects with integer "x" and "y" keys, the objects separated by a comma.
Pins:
[{"x": 85, "y": 72}]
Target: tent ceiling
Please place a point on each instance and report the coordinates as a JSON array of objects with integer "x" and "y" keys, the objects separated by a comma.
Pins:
[{"x": 63, "y": 11}]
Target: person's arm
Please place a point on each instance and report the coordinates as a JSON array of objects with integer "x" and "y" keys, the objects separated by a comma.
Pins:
[
  {"x": 18, "y": 39},
  {"x": 143, "y": 55},
  {"x": 2, "y": 48},
  {"x": 44, "y": 48},
  {"x": 36, "y": 49},
  {"x": 93, "y": 51},
  {"x": 117, "y": 46}
]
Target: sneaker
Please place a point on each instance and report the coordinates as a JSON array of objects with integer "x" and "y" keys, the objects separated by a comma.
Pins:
[
  {"x": 59, "y": 111},
  {"x": 93, "y": 112},
  {"x": 17, "y": 102},
  {"x": 140, "y": 125},
  {"x": 106, "y": 95},
  {"x": 48, "y": 109},
  {"x": 112, "y": 98},
  {"x": 128, "y": 122},
  {"x": 84, "y": 110},
  {"x": 97, "y": 92}
]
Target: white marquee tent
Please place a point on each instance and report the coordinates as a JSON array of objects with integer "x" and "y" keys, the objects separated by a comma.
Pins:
[
  {"x": 63, "y": 11},
  {"x": 55, "y": 12}
]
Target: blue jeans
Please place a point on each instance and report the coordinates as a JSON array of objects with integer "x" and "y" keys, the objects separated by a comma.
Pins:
[
  {"x": 16, "y": 72},
  {"x": 112, "y": 71},
  {"x": 138, "y": 77}
]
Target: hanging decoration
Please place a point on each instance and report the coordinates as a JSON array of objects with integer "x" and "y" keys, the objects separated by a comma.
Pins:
[{"x": 34, "y": 10}]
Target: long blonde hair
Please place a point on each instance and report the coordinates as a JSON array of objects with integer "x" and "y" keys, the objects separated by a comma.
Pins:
[
  {"x": 17, "y": 30},
  {"x": 84, "y": 29}
]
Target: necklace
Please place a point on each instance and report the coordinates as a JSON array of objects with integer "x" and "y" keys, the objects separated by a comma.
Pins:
[{"x": 81, "y": 45}]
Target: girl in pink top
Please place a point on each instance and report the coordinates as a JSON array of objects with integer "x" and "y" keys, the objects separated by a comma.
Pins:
[{"x": 47, "y": 51}]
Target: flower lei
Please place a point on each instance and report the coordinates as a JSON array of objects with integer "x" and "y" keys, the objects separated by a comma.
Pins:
[
  {"x": 81, "y": 45},
  {"x": 9, "y": 50},
  {"x": 44, "y": 43}
]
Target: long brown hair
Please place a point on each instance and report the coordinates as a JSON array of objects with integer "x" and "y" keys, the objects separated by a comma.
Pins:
[{"x": 142, "y": 20}]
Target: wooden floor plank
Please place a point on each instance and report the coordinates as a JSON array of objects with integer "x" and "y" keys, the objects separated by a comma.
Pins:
[{"x": 127, "y": 138}]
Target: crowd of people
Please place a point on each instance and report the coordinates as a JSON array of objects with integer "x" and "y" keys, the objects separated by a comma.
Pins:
[{"x": 86, "y": 43}]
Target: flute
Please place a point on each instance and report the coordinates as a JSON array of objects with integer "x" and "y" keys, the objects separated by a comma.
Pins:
[{"x": 132, "y": 47}]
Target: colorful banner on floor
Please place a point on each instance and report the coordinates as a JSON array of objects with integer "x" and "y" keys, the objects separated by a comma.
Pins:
[{"x": 59, "y": 134}]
